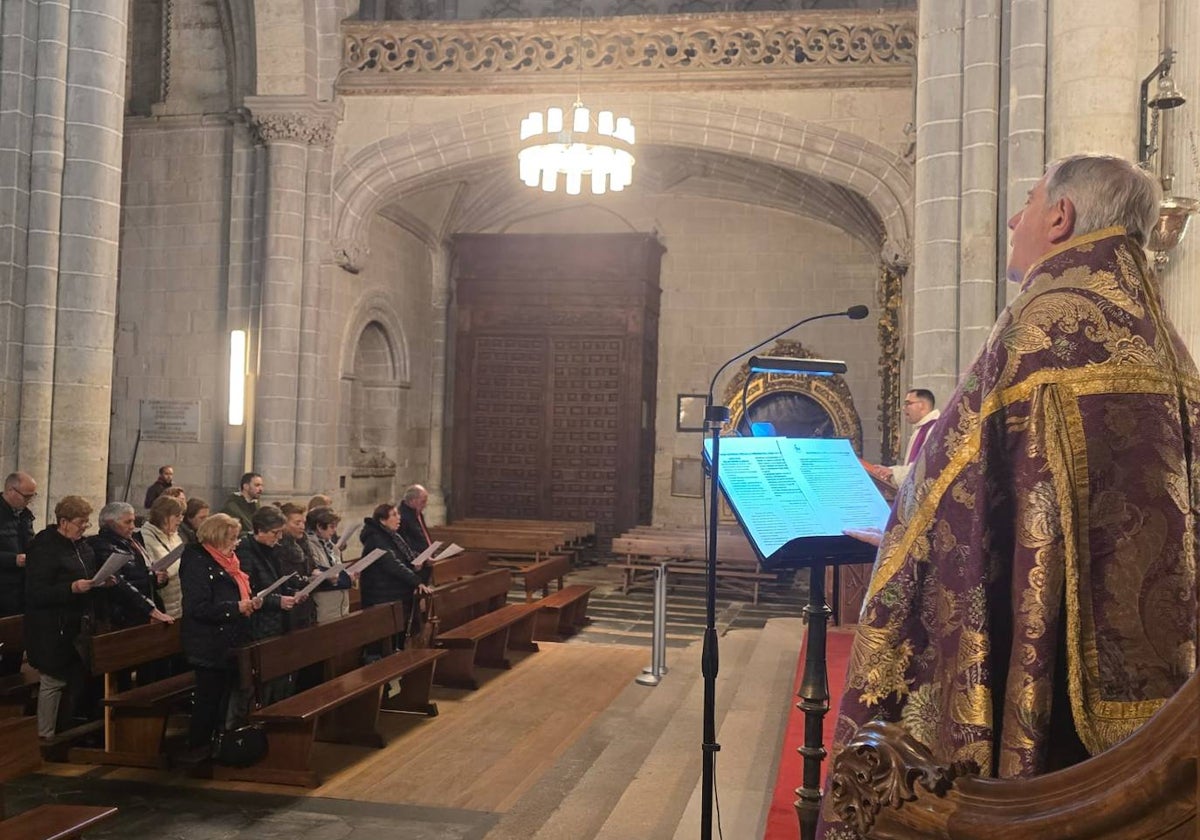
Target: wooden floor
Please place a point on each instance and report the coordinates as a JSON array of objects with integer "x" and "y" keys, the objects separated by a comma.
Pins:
[{"x": 484, "y": 750}]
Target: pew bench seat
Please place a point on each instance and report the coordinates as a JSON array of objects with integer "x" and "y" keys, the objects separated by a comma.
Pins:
[
  {"x": 562, "y": 613},
  {"x": 136, "y": 724},
  {"x": 17, "y": 692},
  {"x": 483, "y": 642},
  {"x": 54, "y": 822},
  {"x": 343, "y": 710}
]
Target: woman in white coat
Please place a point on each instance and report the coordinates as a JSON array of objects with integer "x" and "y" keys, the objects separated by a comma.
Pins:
[{"x": 160, "y": 534}]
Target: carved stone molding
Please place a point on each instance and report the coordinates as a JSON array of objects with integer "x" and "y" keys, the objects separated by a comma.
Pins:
[
  {"x": 895, "y": 255},
  {"x": 297, "y": 126},
  {"x": 350, "y": 254},
  {"x": 293, "y": 118},
  {"x": 882, "y": 767},
  {"x": 785, "y": 48},
  {"x": 891, "y": 354}
]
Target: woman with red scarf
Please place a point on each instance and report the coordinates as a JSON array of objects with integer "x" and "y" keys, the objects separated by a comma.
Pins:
[{"x": 217, "y": 604}]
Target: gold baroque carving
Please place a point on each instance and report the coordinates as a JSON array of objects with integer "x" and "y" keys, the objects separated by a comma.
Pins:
[
  {"x": 750, "y": 46},
  {"x": 830, "y": 392},
  {"x": 891, "y": 353}
]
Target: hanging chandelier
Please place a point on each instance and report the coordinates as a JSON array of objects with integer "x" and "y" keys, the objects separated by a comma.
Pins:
[{"x": 573, "y": 146}]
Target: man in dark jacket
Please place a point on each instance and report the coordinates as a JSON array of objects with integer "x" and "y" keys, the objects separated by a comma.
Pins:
[
  {"x": 243, "y": 504},
  {"x": 16, "y": 532},
  {"x": 166, "y": 475},
  {"x": 412, "y": 518}
]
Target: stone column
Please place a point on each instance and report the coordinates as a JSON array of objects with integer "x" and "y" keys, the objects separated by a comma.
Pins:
[
  {"x": 288, "y": 128},
  {"x": 435, "y": 512},
  {"x": 45, "y": 170},
  {"x": 1181, "y": 157},
  {"x": 980, "y": 172},
  {"x": 937, "y": 190},
  {"x": 1094, "y": 77},
  {"x": 1026, "y": 159},
  {"x": 87, "y": 265}
]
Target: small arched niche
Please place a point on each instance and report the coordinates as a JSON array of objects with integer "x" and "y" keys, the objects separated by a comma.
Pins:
[{"x": 373, "y": 405}]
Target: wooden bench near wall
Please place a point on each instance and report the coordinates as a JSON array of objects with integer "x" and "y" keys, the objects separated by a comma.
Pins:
[
  {"x": 345, "y": 707},
  {"x": 561, "y": 613},
  {"x": 476, "y": 627},
  {"x": 20, "y": 755}
]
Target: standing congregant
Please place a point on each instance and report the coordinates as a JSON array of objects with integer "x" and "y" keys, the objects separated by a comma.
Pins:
[
  {"x": 1033, "y": 600},
  {"x": 412, "y": 518},
  {"x": 166, "y": 475},
  {"x": 16, "y": 532}
]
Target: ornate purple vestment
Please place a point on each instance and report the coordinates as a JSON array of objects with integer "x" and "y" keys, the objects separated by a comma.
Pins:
[{"x": 1038, "y": 571}]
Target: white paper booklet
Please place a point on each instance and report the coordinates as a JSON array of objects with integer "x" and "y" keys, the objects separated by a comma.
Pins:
[
  {"x": 321, "y": 577},
  {"x": 275, "y": 586},
  {"x": 167, "y": 559},
  {"x": 359, "y": 565}
]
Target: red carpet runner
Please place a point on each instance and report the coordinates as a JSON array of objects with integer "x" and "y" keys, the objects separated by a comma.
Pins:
[{"x": 781, "y": 821}]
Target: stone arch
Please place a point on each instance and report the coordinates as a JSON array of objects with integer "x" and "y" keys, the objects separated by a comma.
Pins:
[
  {"x": 375, "y": 309},
  {"x": 382, "y": 171},
  {"x": 237, "y": 29},
  {"x": 374, "y": 378}
]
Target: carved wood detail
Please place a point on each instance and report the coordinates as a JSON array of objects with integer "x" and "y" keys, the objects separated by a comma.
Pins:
[{"x": 1145, "y": 787}]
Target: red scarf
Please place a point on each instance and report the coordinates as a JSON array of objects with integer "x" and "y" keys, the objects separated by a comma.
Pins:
[{"x": 229, "y": 563}]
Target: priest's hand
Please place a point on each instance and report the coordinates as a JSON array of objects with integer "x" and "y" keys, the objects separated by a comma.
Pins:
[{"x": 871, "y": 536}]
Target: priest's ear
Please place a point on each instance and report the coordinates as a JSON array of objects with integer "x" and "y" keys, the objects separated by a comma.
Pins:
[{"x": 1060, "y": 220}]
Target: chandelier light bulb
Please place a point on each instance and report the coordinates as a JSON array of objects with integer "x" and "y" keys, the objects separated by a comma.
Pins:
[{"x": 575, "y": 148}]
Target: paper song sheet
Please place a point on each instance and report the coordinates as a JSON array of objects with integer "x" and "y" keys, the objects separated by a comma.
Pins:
[
  {"x": 318, "y": 579},
  {"x": 359, "y": 565},
  {"x": 450, "y": 551},
  {"x": 168, "y": 558},
  {"x": 345, "y": 540},
  {"x": 426, "y": 555},
  {"x": 114, "y": 562},
  {"x": 789, "y": 488},
  {"x": 264, "y": 593}
]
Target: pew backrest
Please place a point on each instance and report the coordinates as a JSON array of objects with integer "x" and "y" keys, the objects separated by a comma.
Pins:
[
  {"x": 278, "y": 656},
  {"x": 459, "y": 602},
  {"x": 539, "y": 575},
  {"x": 122, "y": 649},
  {"x": 20, "y": 750},
  {"x": 459, "y": 566}
]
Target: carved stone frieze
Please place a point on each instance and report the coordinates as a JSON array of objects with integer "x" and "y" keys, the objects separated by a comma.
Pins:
[
  {"x": 781, "y": 47},
  {"x": 882, "y": 766},
  {"x": 298, "y": 126}
]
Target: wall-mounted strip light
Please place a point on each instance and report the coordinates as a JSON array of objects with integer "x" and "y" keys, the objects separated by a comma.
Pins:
[{"x": 237, "y": 377}]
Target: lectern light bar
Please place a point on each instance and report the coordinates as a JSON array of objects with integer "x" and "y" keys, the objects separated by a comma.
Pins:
[{"x": 788, "y": 364}]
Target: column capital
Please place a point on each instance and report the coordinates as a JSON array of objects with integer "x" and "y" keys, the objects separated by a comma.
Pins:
[
  {"x": 895, "y": 255},
  {"x": 296, "y": 119}
]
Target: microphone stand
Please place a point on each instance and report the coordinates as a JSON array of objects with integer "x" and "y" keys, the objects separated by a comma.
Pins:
[{"x": 715, "y": 418}]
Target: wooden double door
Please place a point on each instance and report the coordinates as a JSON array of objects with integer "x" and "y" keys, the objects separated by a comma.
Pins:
[{"x": 556, "y": 346}]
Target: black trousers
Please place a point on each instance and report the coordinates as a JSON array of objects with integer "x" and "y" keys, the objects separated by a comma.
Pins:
[{"x": 210, "y": 703}]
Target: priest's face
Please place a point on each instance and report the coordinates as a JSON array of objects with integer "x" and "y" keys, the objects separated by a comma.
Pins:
[{"x": 1029, "y": 226}]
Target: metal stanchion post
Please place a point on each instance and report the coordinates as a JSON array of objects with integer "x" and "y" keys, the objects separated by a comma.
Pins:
[
  {"x": 652, "y": 675},
  {"x": 660, "y": 612}
]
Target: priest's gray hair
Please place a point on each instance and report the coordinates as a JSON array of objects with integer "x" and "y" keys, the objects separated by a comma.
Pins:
[
  {"x": 113, "y": 511},
  {"x": 1106, "y": 191}
]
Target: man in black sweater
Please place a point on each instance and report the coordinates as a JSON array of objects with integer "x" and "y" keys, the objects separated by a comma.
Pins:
[
  {"x": 16, "y": 532},
  {"x": 412, "y": 518}
]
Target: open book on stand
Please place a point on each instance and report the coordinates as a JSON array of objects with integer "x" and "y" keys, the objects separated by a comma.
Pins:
[{"x": 794, "y": 497}]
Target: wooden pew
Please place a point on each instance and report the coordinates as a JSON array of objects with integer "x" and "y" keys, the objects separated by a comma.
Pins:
[
  {"x": 476, "y": 628},
  {"x": 559, "y": 614},
  {"x": 17, "y": 691},
  {"x": 684, "y": 551},
  {"x": 575, "y": 533},
  {"x": 503, "y": 543},
  {"x": 20, "y": 755},
  {"x": 345, "y": 708},
  {"x": 459, "y": 566},
  {"x": 135, "y": 720}
]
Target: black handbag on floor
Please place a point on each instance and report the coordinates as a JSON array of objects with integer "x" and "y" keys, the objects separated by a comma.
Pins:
[{"x": 240, "y": 747}]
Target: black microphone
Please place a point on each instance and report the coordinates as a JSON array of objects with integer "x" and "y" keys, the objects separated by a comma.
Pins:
[{"x": 854, "y": 313}]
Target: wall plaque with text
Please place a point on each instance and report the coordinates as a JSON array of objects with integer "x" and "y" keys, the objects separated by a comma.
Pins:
[{"x": 171, "y": 421}]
